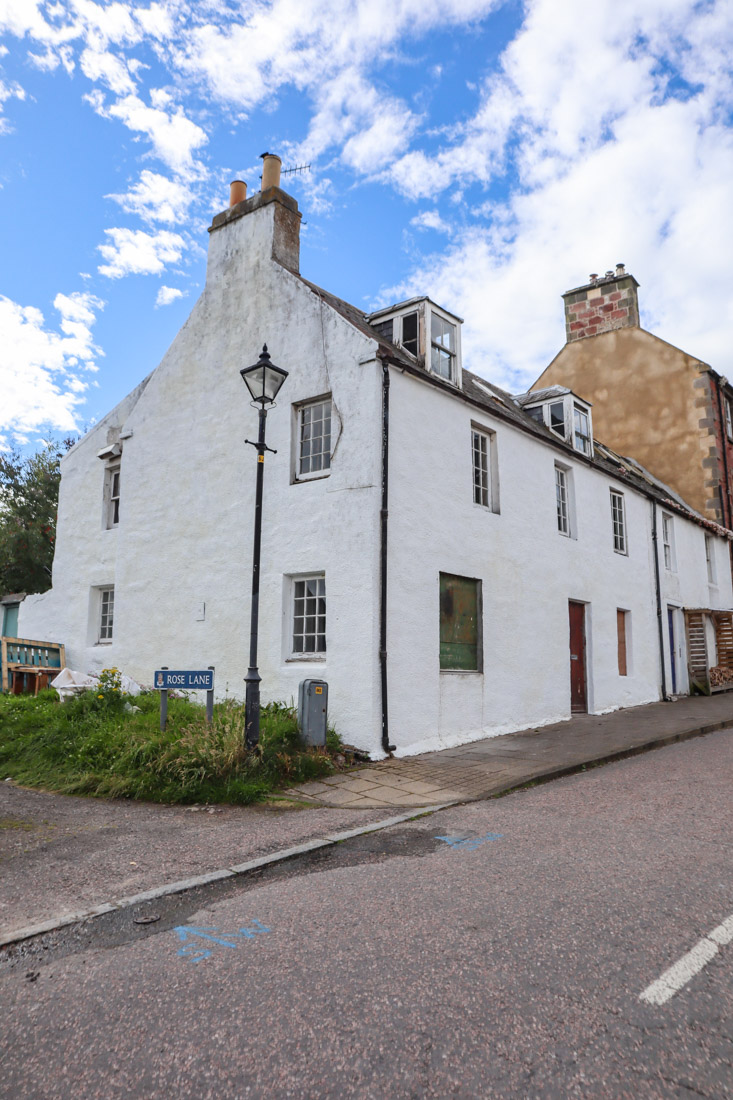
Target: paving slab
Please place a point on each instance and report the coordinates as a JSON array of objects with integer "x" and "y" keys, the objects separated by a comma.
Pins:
[{"x": 482, "y": 768}]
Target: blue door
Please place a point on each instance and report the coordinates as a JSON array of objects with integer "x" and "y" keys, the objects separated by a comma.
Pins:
[
  {"x": 10, "y": 620},
  {"x": 672, "y": 649}
]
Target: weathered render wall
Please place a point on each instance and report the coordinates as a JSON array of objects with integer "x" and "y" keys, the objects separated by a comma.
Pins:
[
  {"x": 184, "y": 541},
  {"x": 86, "y": 552},
  {"x": 180, "y": 559},
  {"x": 528, "y": 570},
  {"x": 646, "y": 404}
]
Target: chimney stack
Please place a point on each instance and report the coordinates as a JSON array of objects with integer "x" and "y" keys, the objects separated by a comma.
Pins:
[
  {"x": 604, "y": 304},
  {"x": 268, "y": 220}
]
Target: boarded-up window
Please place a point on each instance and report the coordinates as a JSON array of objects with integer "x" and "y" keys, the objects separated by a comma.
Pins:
[
  {"x": 621, "y": 630},
  {"x": 460, "y": 623}
]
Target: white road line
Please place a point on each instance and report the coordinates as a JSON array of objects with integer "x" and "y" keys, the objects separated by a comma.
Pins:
[{"x": 678, "y": 975}]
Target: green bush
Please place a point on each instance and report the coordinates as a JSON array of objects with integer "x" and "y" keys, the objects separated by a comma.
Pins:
[{"x": 95, "y": 744}]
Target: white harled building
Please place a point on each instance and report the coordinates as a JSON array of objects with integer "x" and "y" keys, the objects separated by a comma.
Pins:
[{"x": 453, "y": 561}]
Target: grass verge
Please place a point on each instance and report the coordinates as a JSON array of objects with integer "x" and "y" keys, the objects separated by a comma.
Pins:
[{"x": 94, "y": 745}]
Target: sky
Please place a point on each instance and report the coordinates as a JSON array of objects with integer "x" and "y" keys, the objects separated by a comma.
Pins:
[{"x": 489, "y": 154}]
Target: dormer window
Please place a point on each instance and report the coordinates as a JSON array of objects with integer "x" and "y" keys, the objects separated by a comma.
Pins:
[
  {"x": 443, "y": 347},
  {"x": 581, "y": 434},
  {"x": 425, "y": 331},
  {"x": 567, "y": 416},
  {"x": 410, "y": 333},
  {"x": 556, "y": 418}
]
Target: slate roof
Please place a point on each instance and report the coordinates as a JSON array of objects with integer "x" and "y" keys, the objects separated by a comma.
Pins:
[{"x": 485, "y": 395}]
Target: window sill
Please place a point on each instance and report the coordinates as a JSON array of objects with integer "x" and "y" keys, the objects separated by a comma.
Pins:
[
  {"x": 106, "y": 641},
  {"x": 305, "y": 480},
  {"x": 461, "y": 671},
  {"x": 621, "y": 553},
  {"x": 307, "y": 660}
]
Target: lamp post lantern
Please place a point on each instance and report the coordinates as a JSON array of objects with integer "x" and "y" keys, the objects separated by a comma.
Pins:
[{"x": 263, "y": 380}]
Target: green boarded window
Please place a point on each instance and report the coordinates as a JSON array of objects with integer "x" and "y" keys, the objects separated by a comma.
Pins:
[{"x": 460, "y": 623}]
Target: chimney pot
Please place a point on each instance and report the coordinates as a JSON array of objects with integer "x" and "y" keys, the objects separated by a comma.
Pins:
[
  {"x": 609, "y": 274},
  {"x": 593, "y": 276},
  {"x": 237, "y": 192},
  {"x": 620, "y": 269},
  {"x": 271, "y": 165}
]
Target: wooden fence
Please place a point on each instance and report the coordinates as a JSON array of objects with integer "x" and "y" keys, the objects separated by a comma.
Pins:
[{"x": 26, "y": 664}]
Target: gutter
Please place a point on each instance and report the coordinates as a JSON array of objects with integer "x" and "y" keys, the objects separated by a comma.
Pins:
[
  {"x": 383, "y": 519},
  {"x": 658, "y": 588}
]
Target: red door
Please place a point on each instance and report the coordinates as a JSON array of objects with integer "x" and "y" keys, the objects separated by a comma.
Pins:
[{"x": 578, "y": 693}]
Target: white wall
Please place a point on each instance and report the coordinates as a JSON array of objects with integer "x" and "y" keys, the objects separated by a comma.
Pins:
[
  {"x": 528, "y": 570},
  {"x": 184, "y": 542},
  {"x": 187, "y": 499},
  {"x": 686, "y": 585}
]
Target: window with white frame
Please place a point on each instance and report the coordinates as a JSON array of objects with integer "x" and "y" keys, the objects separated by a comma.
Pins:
[
  {"x": 710, "y": 559},
  {"x": 728, "y": 418},
  {"x": 442, "y": 347},
  {"x": 410, "y": 333},
  {"x": 581, "y": 430},
  {"x": 314, "y": 439},
  {"x": 556, "y": 421},
  {"x": 309, "y": 616},
  {"x": 427, "y": 331},
  {"x": 112, "y": 496},
  {"x": 563, "y": 500},
  {"x": 485, "y": 468},
  {"x": 668, "y": 543},
  {"x": 481, "y": 471},
  {"x": 564, "y": 415},
  {"x": 403, "y": 330},
  {"x": 618, "y": 521},
  {"x": 106, "y": 614}
]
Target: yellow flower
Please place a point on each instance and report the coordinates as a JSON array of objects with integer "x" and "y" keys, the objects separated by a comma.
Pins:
[{"x": 100, "y": 697}]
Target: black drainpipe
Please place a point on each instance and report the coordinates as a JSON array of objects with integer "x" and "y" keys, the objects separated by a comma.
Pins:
[
  {"x": 660, "y": 620},
  {"x": 383, "y": 516}
]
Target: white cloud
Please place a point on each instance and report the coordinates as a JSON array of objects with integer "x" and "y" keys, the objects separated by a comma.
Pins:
[
  {"x": 134, "y": 252},
  {"x": 603, "y": 159},
  {"x": 155, "y": 198},
  {"x": 41, "y": 369},
  {"x": 168, "y": 294},
  {"x": 111, "y": 70},
  {"x": 430, "y": 219},
  {"x": 12, "y": 90},
  {"x": 173, "y": 136}
]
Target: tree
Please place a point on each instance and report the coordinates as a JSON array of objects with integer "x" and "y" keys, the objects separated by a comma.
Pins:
[{"x": 29, "y": 493}]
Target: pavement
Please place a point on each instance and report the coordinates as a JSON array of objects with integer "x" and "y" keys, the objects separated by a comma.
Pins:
[
  {"x": 484, "y": 768},
  {"x": 497, "y": 949},
  {"x": 63, "y": 858}
]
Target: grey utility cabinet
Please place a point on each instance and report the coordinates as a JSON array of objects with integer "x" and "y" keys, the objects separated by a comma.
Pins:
[{"x": 313, "y": 711}]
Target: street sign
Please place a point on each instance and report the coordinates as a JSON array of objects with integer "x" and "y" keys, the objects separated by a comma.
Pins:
[
  {"x": 201, "y": 680},
  {"x": 185, "y": 680}
]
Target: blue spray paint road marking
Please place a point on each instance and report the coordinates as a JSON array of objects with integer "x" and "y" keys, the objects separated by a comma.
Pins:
[
  {"x": 196, "y": 951},
  {"x": 469, "y": 843}
]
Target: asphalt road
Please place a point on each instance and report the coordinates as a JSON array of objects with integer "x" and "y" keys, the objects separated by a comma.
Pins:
[{"x": 504, "y": 961}]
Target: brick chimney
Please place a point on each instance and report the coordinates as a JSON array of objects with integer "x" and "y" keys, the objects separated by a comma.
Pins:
[
  {"x": 607, "y": 302},
  {"x": 276, "y": 216}
]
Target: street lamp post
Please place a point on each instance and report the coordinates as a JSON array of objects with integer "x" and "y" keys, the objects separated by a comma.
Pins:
[{"x": 263, "y": 380}]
